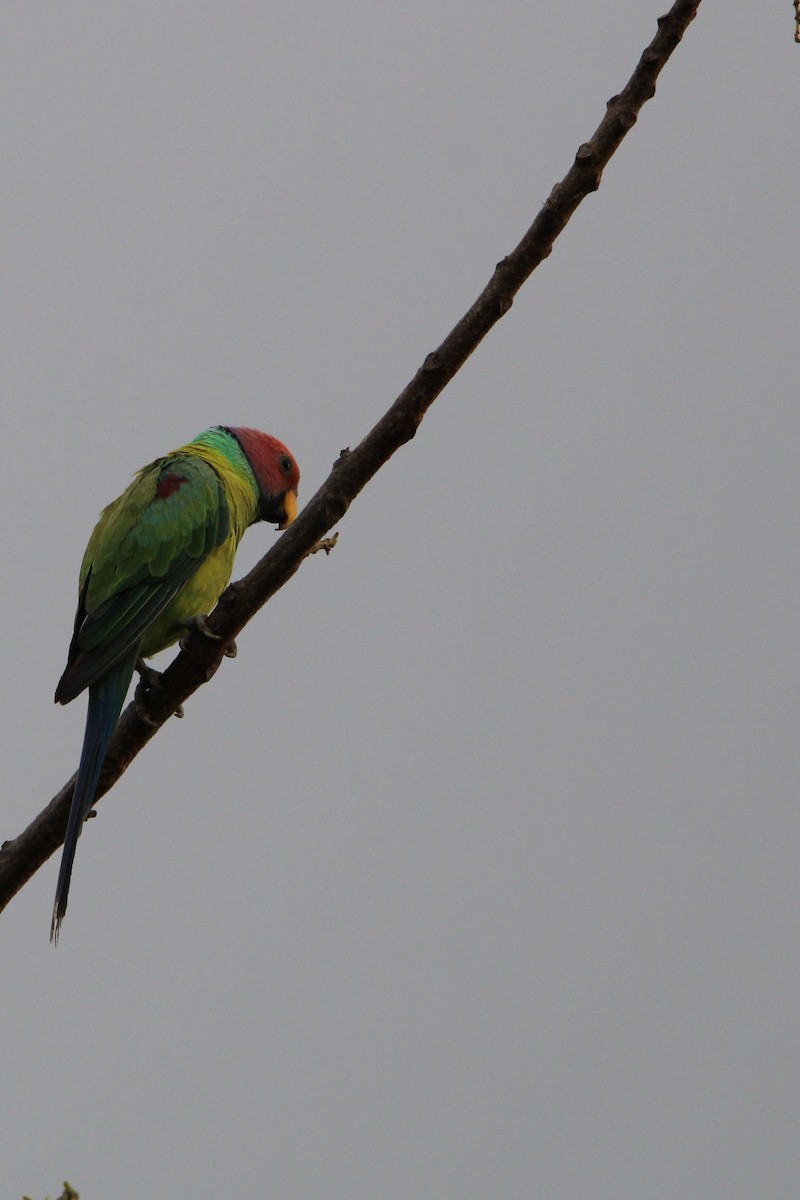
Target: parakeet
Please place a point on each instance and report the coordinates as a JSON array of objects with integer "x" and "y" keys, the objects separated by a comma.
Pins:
[{"x": 157, "y": 562}]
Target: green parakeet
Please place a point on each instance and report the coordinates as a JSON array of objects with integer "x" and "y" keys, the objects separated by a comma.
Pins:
[{"x": 158, "y": 560}]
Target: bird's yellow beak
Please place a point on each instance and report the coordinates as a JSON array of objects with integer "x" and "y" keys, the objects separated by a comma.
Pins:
[{"x": 289, "y": 509}]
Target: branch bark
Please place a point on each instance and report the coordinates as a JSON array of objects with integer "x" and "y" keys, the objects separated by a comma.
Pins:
[{"x": 21, "y": 857}]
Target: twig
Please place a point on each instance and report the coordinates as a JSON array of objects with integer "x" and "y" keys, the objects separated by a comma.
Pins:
[{"x": 22, "y": 856}]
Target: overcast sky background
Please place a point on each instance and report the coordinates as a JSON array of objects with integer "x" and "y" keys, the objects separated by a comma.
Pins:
[{"x": 475, "y": 875}]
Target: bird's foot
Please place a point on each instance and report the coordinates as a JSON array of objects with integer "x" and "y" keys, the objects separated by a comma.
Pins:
[
  {"x": 149, "y": 681},
  {"x": 140, "y": 702},
  {"x": 150, "y": 677},
  {"x": 198, "y": 624}
]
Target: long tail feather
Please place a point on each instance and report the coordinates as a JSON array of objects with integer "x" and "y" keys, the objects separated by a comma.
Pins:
[{"x": 106, "y": 698}]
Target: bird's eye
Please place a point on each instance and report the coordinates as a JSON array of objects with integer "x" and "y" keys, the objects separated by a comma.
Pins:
[{"x": 286, "y": 464}]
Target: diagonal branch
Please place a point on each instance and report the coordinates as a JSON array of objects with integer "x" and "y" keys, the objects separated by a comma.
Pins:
[{"x": 21, "y": 857}]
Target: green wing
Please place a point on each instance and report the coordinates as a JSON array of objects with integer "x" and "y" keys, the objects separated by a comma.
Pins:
[{"x": 144, "y": 548}]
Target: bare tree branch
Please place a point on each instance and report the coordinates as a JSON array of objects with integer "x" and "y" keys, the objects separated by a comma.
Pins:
[{"x": 22, "y": 856}]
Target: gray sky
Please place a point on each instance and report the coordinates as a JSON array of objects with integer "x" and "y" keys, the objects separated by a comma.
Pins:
[{"x": 475, "y": 875}]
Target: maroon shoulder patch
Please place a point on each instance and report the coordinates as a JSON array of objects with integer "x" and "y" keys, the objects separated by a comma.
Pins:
[{"x": 169, "y": 484}]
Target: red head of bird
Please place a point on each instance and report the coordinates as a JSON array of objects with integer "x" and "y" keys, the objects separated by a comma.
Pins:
[{"x": 276, "y": 473}]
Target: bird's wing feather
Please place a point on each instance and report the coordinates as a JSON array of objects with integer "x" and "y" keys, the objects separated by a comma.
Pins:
[{"x": 144, "y": 548}]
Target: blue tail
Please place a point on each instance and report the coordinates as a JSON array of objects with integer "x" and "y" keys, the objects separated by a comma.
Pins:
[{"x": 106, "y": 698}]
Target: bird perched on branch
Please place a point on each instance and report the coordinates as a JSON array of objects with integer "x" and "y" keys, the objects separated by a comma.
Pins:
[{"x": 157, "y": 562}]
